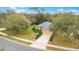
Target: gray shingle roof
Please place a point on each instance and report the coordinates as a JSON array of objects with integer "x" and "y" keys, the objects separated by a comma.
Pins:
[{"x": 44, "y": 25}]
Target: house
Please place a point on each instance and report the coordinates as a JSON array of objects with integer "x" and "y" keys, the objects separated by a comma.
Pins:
[
  {"x": 45, "y": 25},
  {"x": 43, "y": 40}
]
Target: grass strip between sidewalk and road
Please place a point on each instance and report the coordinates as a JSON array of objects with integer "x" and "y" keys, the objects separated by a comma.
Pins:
[
  {"x": 15, "y": 40},
  {"x": 28, "y": 42}
]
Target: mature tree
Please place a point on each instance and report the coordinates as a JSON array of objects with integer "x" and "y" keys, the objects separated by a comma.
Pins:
[
  {"x": 2, "y": 18},
  {"x": 17, "y": 23},
  {"x": 65, "y": 22},
  {"x": 37, "y": 9},
  {"x": 39, "y": 15}
]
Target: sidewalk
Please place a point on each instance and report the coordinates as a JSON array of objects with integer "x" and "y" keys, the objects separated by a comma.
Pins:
[
  {"x": 49, "y": 45},
  {"x": 16, "y": 37}
]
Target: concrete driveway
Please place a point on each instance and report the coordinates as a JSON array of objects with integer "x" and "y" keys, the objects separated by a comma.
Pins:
[{"x": 43, "y": 40}]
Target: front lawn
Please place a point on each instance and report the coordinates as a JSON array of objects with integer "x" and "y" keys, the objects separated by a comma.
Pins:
[
  {"x": 29, "y": 34},
  {"x": 60, "y": 41}
]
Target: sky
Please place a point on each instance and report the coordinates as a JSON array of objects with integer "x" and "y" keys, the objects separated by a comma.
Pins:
[{"x": 47, "y": 9}]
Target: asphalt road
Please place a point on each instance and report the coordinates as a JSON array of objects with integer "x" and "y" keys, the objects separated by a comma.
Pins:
[{"x": 6, "y": 45}]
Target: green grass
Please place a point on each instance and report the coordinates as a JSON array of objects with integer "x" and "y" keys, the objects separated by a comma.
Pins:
[
  {"x": 15, "y": 40},
  {"x": 29, "y": 34},
  {"x": 54, "y": 49},
  {"x": 65, "y": 43}
]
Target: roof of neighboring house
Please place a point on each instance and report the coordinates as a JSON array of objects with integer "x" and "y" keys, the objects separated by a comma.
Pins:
[{"x": 44, "y": 25}]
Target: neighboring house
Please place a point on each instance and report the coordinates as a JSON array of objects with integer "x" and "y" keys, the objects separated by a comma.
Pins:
[{"x": 45, "y": 25}]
